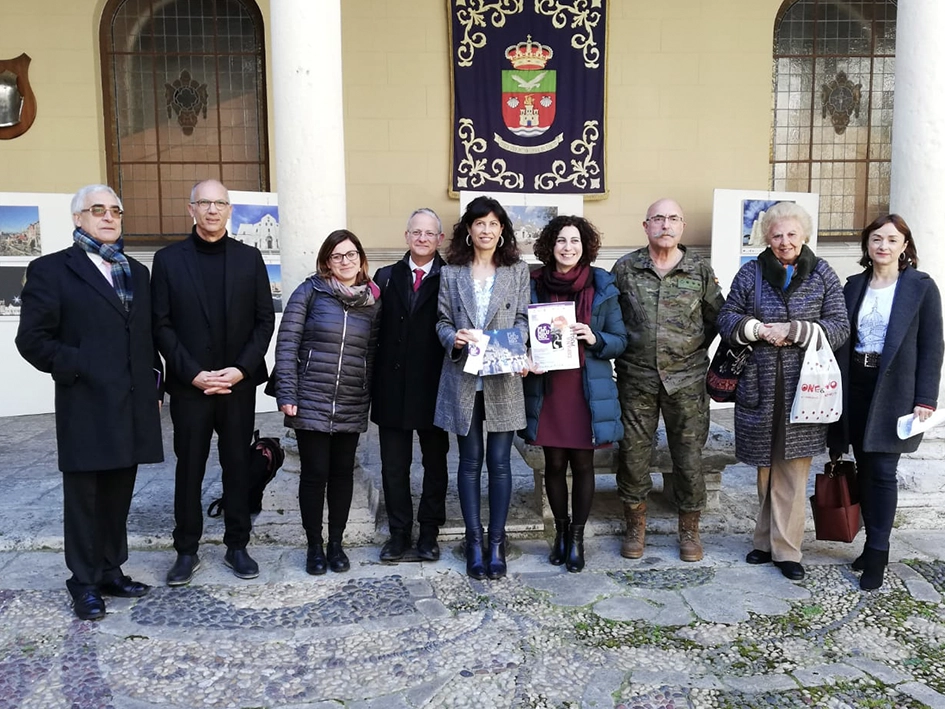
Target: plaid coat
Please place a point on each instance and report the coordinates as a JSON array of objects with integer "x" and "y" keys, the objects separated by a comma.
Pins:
[{"x": 502, "y": 393}]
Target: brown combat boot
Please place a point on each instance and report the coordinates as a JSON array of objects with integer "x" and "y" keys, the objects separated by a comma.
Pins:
[
  {"x": 632, "y": 547},
  {"x": 690, "y": 546}
]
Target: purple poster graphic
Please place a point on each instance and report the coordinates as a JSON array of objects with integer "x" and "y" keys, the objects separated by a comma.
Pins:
[{"x": 528, "y": 96}]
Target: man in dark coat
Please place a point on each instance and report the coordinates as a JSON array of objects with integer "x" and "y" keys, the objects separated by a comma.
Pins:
[
  {"x": 213, "y": 319},
  {"x": 86, "y": 320},
  {"x": 406, "y": 378}
]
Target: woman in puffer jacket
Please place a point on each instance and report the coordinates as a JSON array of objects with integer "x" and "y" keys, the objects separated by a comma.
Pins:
[{"x": 324, "y": 355}]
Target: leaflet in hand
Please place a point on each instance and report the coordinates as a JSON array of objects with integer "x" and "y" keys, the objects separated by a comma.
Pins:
[
  {"x": 554, "y": 345},
  {"x": 505, "y": 352},
  {"x": 475, "y": 351},
  {"x": 908, "y": 426}
]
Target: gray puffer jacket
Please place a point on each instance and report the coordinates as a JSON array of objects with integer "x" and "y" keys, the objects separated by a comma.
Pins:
[{"x": 324, "y": 357}]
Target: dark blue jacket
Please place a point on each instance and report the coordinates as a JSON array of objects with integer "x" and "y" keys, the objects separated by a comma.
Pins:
[
  {"x": 910, "y": 365},
  {"x": 599, "y": 387}
]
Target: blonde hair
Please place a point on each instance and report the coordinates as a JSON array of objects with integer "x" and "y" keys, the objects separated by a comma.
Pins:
[{"x": 787, "y": 210}]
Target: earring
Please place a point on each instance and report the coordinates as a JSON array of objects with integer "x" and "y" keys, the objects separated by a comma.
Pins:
[
  {"x": 501, "y": 241},
  {"x": 902, "y": 256},
  {"x": 468, "y": 240}
]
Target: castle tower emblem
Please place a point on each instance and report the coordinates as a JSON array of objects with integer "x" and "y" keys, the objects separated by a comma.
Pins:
[{"x": 528, "y": 89}]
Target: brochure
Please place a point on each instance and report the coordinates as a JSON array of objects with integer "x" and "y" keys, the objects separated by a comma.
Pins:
[
  {"x": 554, "y": 345},
  {"x": 475, "y": 352},
  {"x": 505, "y": 353},
  {"x": 909, "y": 426}
]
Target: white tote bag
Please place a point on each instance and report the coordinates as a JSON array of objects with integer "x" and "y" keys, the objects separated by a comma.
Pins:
[{"x": 819, "y": 395}]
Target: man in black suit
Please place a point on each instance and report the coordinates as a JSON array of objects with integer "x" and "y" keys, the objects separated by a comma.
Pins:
[
  {"x": 213, "y": 318},
  {"x": 86, "y": 319},
  {"x": 406, "y": 377}
]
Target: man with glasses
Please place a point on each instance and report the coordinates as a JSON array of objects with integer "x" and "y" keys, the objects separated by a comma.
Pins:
[
  {"x": 406, "y": 379},
  {"x": 86, "y": 320},
  {"x": 213, "y": 319},
  {"x": 670, "y": 299}
]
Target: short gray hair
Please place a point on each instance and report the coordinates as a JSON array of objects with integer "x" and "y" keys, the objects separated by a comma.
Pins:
[
  {"x": 430, "y": 213},
  {"x": 787, "y": 210},
  {"x": 78, "y": 201},
  {"x": 193, "y": 190}
]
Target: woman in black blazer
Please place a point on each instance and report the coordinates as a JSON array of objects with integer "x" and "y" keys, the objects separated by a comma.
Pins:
[{"x": 891, "y": 367}]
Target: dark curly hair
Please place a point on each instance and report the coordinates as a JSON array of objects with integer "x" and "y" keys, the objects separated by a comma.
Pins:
[
  {"x": 590, "y": 239},
  {"x": 329, "y": 244},
  {"x": 910, "y": 256},
  {"x": 460, "y": 253}
]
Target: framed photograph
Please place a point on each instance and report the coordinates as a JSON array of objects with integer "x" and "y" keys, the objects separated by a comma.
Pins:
[
  {"x": 20, "y": 231},
  {"x": 12, "y": 279},
  {"x": 529, "y": 212},
  {"x": 275, "y": 284}
]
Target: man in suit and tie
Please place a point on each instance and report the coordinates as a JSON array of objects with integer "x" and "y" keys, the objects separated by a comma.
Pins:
[
  {"x": 86, "y": 320},
  {"x": 213, "y": 319},
  {"x": 406, "y": 378}
]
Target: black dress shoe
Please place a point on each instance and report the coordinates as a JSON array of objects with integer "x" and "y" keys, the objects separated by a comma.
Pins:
[
  {"x": 183, "y": 570},
  {"x": 242, "y": 563},
  {"x": 124, "y": 587},
  {"x": 315, "y": 562},
  {"x": 337, "y": 559},
  {"x": 427, "y": 548},
  {"x": 756, "y": 556},
  {"x": 89, "y": 605},
  {"x": 791, "y": 570},
  {"x": 395, "y": 547}
]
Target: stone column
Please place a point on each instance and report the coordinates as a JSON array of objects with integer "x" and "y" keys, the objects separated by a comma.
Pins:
[
  {"x": 309, "y": 130},
  {"x": 918, "y": 182}
]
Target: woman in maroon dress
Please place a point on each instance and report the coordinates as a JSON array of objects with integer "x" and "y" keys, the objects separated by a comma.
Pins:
[{"x": 572, "y": 412}]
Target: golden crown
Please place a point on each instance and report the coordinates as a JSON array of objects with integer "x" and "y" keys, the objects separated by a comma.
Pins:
[{"x": 528, "y": 54}]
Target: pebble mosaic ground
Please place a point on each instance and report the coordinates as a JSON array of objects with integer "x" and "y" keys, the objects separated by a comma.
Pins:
[{"x": 653, "y": 635}]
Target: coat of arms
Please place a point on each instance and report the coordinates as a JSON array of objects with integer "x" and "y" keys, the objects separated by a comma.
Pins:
[{"x": 528, "y": 89}]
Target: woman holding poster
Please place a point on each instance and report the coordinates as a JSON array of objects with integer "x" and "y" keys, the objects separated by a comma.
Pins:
[
  {"x": 891, "y": 367},
  {"x": 483, "y": 287},
  {"x": 573, "y": 411}
]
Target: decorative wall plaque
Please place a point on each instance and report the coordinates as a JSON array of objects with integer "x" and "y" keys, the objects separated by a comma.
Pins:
[{"x": 17, "y": 100}]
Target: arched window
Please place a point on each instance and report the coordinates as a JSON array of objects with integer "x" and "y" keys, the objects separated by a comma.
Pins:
[
  {"x": 834, "y": 73},
  {"x": 185, "y": 100}
]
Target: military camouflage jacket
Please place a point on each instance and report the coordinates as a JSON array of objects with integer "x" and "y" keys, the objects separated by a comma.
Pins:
[{"x": 670, "y": 320}]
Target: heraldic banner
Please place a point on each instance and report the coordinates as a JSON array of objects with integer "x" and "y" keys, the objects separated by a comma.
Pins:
[{"x": 528, "y": 95}]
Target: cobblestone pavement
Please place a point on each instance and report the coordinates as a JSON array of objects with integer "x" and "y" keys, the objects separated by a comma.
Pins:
[{"x": 650, "y": 634}]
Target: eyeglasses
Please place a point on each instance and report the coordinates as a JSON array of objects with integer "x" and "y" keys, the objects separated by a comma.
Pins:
[
  {"x": 349, "y": 256},
  {"x": 204, "y": 204},
  {"x": 416, "y": 234},
  {"x": 662, "y": 219},
  {"x": 98, "y": 210}
]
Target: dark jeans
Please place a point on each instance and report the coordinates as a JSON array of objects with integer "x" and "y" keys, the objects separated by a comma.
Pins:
[
  {"x": 396, "y": 457},
  {"x": 875, "y": 472},
  {"x": 497, "y": 454},
  {"x": 326, "y": 462}
]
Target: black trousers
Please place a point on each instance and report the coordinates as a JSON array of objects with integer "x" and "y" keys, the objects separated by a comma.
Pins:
[
  {"x": 95, "y": 525},
  {"x": 396, "y": 457},
  {"x": 326, "y": 462},
  {"x": 195, "y": 419}
]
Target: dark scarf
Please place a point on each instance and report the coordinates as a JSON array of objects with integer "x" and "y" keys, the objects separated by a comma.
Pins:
[
  {"x": 113, "y": 254},
  {"x": 774, "y": 272},
  {"x": 577, "y": 283}
]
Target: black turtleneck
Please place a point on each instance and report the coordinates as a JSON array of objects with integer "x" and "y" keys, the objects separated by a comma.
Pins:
[{"x": 211, "y": 263}]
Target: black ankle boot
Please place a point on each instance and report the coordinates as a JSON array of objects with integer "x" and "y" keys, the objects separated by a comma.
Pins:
[
  {"x": 874, "y": 568},
  {"x": 315, "y": 562},
  {"x": 497, "y": 566},
  {"x": 337, "y": 559},
  {"x": 575, "y": 560},
  {"x": 559, "y": 549},
  {"x": 475, "y": 564},
  {"x": 859, "y": 563}
]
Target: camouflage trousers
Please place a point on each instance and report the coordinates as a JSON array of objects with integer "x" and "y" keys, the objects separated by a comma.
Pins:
[{"x": 686, "y": 417}]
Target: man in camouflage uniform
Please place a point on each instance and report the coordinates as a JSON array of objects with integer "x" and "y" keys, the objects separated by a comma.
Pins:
[{"x": 670, "y": 299}]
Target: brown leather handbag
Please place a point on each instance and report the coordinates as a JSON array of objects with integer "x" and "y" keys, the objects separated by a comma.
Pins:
[{"x": 836, "y": 502}]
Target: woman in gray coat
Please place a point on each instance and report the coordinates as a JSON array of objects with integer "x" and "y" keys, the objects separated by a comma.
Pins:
[
  {"x": 483, "y": 287},
  {"x": 324, "y": 355},
  {"x": 891, "y": 367},
  {"x": 798, "y": 291}
]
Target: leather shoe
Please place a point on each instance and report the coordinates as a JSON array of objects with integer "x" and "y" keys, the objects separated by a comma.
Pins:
[
  {"x": 183, "y": 570},
  {"x": 791, "y": 570},
  {"x": 395, "y": 547},
  {"x": 89, "y": 605},
  {"x": 756, "y": 556},
  {"x": 124, "y": 587},
  {"x": 242, "y": 563},
  {"x": 427, "y": 548},
  {"x": 337, "y": 559},
  {"x": 315, "y": 562}
]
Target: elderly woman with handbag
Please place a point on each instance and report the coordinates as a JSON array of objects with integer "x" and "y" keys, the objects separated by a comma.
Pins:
[
  {"x": 891, "y": 367},
  {"x": 798, "y": 292}
]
